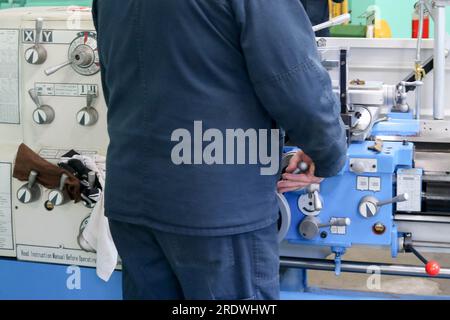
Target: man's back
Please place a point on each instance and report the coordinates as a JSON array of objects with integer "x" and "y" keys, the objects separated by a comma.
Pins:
[{"x": 221, "y": 64}]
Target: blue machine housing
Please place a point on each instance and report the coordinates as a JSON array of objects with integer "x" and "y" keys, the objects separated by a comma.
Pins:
[{"x": 341, "y": 196}]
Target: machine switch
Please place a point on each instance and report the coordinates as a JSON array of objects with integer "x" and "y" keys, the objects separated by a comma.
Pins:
[
  {"x": 57, "y": 196},
  {"x": 37, "y": 53},
  {"x": 310, "y": 226},
  {"x": 43, "y": 114},
  {"x": 369, "y": 206},
  {"x": 88, "y": 116},
  {"x": 29, "y": 192}
]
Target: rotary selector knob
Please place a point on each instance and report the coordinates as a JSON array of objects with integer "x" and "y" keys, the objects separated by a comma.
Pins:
[
  {"x": 57, "y": 197},
  {"x": 310, "y": 226},
  {"x": 83, "y": 56},
  {"x": 29, "y": 192},
  {"x": 43, "y": 114},
  {"x": 310, "y": 204},
  {"x": 369, "y": 206},
  {"x": 88, "y": 116},
  {"x": 37, "y": 54}
]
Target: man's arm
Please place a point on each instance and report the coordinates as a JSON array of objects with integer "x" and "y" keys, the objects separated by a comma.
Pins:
[{"x": 283, "y": 63}]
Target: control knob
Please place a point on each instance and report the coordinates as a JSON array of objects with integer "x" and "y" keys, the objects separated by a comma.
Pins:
[
  {"x": 369, "y": 206},
  {"x": 37, "y": 53},
  {"x": 29, "y": 192},
  {"x": 43, "y": 114},
  {"x": 88, "y": 116}
]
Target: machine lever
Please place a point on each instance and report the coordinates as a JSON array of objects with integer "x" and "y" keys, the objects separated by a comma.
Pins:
[
  {"x": 37, "y": 54},
  {"x": 35, "y": 97},
  {"x": 338, "y": 222},
  {"x": 43, "y": 114},
  {"x": 88, "y": 116},
  {"x": 310, "y": 226},
  {"x": 52, "y": 70},
  {"x": 432, "y": 268},
  {"x": 57, "y": 197},
  {"x": 303, "y": 167},
  {"x": 400, "y": 198},
  {"x": 29, "y": 192}
]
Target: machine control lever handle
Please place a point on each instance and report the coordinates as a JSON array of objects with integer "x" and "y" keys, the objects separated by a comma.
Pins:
[
  {"x": 43, "y": 114},
  {"x": 39, "y": 27},
  {"x": 37, "y": 53},
  {"x": 369, "y": 206},
  {"x": 303, "y": 167},
  {"x": 432, "y": 268},
  {"x": 57, "y": 197},
  {"x": 337, "y": 222},
  {"x": 35, "y": 97},
  {"x": 54, "y": 69},
  {"x": 88, "y": 116},
  {"x": 29, "y": 192},
  {"x": 400, "y": 198},
  {"x": 310, "y": 226}
]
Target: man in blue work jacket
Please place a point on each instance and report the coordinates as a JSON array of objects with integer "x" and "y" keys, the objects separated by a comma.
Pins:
[
  {"x": 319, "y": 12},
  {"x": 199, "y": 229}
]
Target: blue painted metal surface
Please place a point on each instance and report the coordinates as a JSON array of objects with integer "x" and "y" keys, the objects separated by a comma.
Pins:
[
  {"x": 341, "y": 199},
  {"x": 35, "y": 281},
  {"x": 323, "y": 294},
  {"x": 399, "y": 124}
]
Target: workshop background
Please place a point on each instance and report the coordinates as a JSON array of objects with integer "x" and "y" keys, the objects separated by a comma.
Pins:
[{"x": 397, "y": 13}]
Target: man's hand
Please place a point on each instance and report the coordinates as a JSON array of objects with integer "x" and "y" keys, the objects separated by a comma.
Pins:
[{"x": 293, "y": 182}]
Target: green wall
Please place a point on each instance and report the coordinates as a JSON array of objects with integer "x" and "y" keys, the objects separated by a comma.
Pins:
[
  {"x": 31, "y": 3},
  {"x": 397, "y": 12}
]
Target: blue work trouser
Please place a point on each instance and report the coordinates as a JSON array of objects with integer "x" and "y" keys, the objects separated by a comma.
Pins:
[{"x": 165, "y": 266}]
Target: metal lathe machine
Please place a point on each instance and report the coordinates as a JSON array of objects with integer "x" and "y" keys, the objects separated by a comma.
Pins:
[{"x": 393, "y": 194}]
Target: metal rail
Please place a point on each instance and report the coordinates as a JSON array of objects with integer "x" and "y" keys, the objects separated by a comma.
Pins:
[{"x": 362, "y": 267}]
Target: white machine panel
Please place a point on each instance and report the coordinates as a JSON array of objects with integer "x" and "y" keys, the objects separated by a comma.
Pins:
[{"x": 39, "y": 234}]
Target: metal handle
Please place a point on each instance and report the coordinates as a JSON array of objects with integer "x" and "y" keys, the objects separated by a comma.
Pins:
[
  {"x": 32, "y": 178},
  {"x": 317, "y": 202},
  {"x": 62, "y": 182},
  {"x": 303, "y": 167},
  {"x": 91, "y": 179},
  {"x": 39, "y": 27},
  {"x": 333, "y": 22},
  {"x": 52, "y": 70},
  {"x": 400, "y": 198},
  {"x": 90, "y": 98},
  {"x": 35, "y": 97},
  {"x": 338, "y": 222}
]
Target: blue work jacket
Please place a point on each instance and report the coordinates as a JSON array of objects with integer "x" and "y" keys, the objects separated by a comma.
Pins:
[{"x": 229, "y": 64}]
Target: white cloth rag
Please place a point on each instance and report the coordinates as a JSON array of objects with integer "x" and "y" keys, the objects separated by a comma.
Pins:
[{"x": 97, "y": 233}]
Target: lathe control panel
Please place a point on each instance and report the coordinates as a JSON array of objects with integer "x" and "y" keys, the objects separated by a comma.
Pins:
[
  {"x": 355, "y": 207},
  {"x": 51, "y": 100}
]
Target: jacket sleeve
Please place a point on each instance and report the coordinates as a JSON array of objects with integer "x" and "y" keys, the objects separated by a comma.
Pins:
[
  {"x": 284, "y": 66},
  {"x": 102, "y": 66}
]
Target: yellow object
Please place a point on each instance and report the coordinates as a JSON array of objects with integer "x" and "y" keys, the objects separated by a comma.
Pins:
[
  {"x": 337, "y": 9},
  {"x": 382, "y": 29},
  {"x": 420, "y": 72}
]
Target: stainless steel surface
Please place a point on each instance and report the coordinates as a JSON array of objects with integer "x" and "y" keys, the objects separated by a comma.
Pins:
[
  {"x": 426, "y": 229},
  {"x": 433, "y": 161},
  {"x": 361, "y": 267}
]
